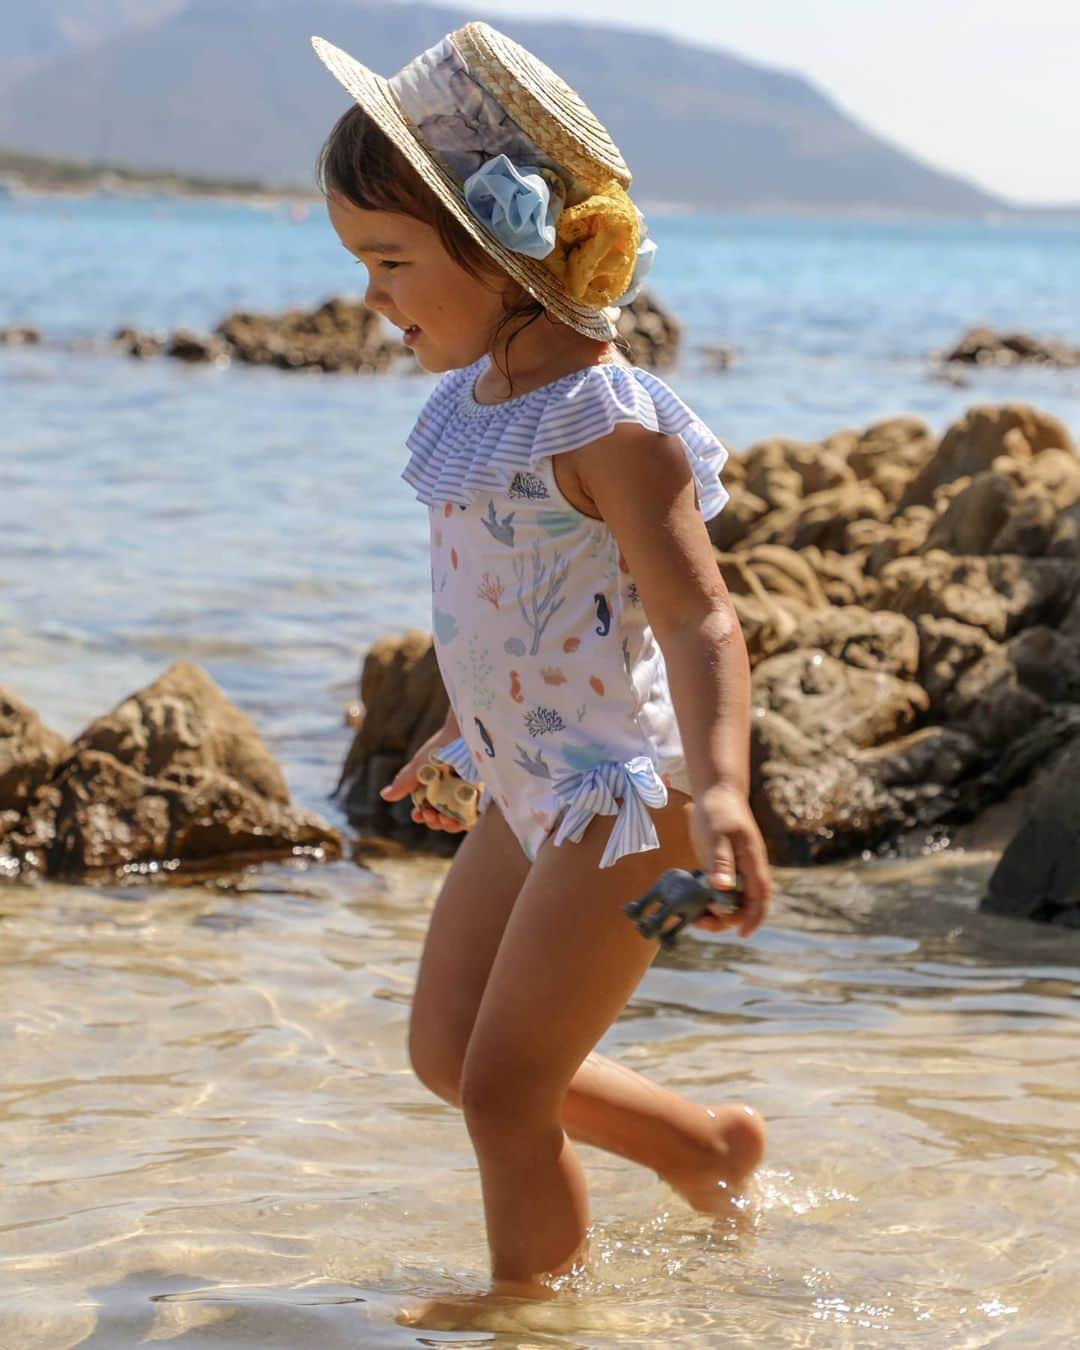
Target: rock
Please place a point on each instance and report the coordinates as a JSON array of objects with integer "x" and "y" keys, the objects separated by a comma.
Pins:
[
  {"x": 990, "y": 701},
  {"x": 653, "y": 332},
  {"x": 717, "y": 358},
  {"x": 765, "y": 622},
  {"x": 138, "y": 344},
  {"x": 820, "y": 520},
  {"x": 771, "y": 570},
  {"x": 769, "y": 476},
  {"x": 1000, "y": 595},
  {"x": 985, "y": 347},
  {"x": 947, "y": 649},
  {"x": 842, "y": 576},
  {"x": 405, "y": 702},
  {"x": 832, "y": 703},
  {"x": 19, "y": 335},
  {"x": 971, "y": 445},
  {"x": 340, "y": 335},
  {"x": 175, "y": 778},
  {"x": 860, "y": 638},
  {"x": 889, "y": 453},
  {"x": 29, "y": 754},
  {"x": 1038, "y": 876},
  {"x": 741, "y": 513},
  {"x": 975, "y": 516},
  {"x": 881, "y": 541},
  {"x": 186, "y": 345},
  {"x": 1048, "y": 663},
  {"x": 815, "y": 810}
]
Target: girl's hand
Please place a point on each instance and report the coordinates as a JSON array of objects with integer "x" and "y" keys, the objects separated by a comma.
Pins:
[
  {"x": 407, "y": 779},
  {"x": 728, "y": 842}
]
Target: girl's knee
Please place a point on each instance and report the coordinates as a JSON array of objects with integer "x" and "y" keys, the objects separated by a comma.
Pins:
[
  {"x": 501, "y": 1096},
  {"x": 437, "y": 1062}
]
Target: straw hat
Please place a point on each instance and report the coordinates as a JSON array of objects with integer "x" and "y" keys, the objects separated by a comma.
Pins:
[{"x": 476, "y": 95}]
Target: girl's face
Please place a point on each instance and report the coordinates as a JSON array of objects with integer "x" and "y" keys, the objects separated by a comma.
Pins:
[{"x": 416, "y": 285}]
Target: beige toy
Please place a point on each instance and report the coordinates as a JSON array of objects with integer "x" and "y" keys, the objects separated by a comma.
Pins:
[{"x": 443, "y": 790}]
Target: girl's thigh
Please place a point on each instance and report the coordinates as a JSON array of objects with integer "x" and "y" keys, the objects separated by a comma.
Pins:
[
  {"x": 466, "y": 928},
  {"x": 568, "y": 962}
]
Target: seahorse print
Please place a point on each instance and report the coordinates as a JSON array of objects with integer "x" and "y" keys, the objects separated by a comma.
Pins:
[
  {"x": 542, "y": 604},
  {"x": 603, "y": 614},
  {"x": 515, "y": 687},
  {"x": 485, "y": 736},
  {"x": 534, "y": 764},
  {"x": 541, "y": 721},
  {"x": 502, "y": 530},
  {"x": 528, "y": 485}
]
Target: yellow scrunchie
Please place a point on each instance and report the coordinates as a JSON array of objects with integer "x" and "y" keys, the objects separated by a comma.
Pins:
[{"x": 596, "y": 243}]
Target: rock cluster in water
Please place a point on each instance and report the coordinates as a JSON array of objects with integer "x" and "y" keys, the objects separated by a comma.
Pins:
[
  {"x": 986, "y": 347},
  {"x": 911, "y": 606},
  {"x": 174, "y": 779},
  {"x": 344, "y": 335}
]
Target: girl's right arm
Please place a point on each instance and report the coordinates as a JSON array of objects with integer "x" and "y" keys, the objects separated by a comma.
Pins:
[{"x": 407, "y": 779}]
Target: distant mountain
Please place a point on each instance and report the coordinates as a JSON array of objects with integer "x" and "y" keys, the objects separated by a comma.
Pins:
[{"x": 232, "y": 88}]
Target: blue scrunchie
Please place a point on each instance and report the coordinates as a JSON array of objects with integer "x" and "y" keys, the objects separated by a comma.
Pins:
[{"x": 515, "y": 204}]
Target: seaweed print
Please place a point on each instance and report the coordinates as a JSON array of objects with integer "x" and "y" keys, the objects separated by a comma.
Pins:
[
  {"x": 529, "y": 486},
  {"x": 626, "y": 655},
  {"x": 534, "y": 764},
  {"x": 632, "y": 594},
  {"x": 603, "y": 615},
  {"x": 541, "y": 721},
  {"x": 481, "y": 671},
  {"x": 581, "y": 713},
  {"x": 502, "y": 530},
  {"x": 490, "y": 589},
  {"x": 485, "y": 736},
  {"x": 515, "y": 687},
  {"x": 541, "y": 608},
  {"x": 596, "y": 685}
]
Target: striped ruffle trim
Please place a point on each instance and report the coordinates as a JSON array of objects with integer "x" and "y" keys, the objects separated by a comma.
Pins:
[
  {"x": 460, "y": 450},
  {"x": 595, "y": 793}
]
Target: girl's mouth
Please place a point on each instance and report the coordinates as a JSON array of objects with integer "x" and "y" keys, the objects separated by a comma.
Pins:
[{"x": 410, "y": 334}]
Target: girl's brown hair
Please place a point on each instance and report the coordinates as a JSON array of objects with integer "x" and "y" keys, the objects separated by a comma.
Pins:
[{"x": 360, "y": 163}]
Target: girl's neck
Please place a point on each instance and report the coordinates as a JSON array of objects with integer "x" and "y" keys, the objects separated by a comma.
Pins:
[{"x": 537, "y": 355}]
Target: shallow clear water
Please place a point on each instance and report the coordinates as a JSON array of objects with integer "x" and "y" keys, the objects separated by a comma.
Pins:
[
  {"x": 210, "y": 1132},
  {"x": 208, "y": 1128}
]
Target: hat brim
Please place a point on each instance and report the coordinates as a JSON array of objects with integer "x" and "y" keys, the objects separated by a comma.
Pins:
[{"x": 374, "y": 95}]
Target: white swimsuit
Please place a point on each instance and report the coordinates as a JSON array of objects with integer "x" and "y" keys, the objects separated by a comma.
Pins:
[{"x": 552, "y": 670}]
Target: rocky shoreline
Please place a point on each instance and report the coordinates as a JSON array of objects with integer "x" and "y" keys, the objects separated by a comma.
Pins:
[{"x": 912, "y": 610}]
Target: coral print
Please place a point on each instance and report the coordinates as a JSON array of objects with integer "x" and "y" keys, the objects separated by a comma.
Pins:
[
  {"x": 539, "y": 609},
  {"x": 534, "y": 764},
  {"x": 453, "y": 558},
  {"x": 502, "y": 530},
  {"x": 529, "y": 486},
  {"x": 552, "y": 675},
  {"x": 571, "y": 644},
  {"x": 490, "y": 589},
  {"x": 515, "y": 687},
  {"x": 543, "y": 721},
  {"x": 603, "y": 615}
]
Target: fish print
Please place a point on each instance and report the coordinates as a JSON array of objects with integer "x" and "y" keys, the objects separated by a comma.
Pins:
[
  {"x": 534, "y": 764},
  {"x": 502, "y": 530}
]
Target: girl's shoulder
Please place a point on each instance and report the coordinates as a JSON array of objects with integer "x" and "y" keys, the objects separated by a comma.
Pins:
[{"x": 460, "y": 446}]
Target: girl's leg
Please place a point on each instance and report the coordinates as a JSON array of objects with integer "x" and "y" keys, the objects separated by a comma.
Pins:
[
  {"x": 698, "y": 1149},
  {"x": 567, "y": 963}
]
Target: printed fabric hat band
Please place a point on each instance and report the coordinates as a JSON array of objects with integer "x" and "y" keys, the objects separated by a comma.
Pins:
[{"x": 595, "y": 243}]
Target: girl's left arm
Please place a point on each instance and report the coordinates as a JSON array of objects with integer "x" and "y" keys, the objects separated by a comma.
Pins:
[{"x": 642, "y": 487}]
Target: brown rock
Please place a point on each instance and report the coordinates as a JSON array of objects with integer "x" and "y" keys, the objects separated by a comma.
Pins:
[
  {"x": 1038, "y": 876},
  {"x": 653, "y": 332},
  {"x": 186, "y": 345},
  {"x": 984, "y": 347},
  {"x": 138, "y": 344},
  {"x": 971, "y": 445},
  {"x": 990, "y": 701},
  {"x": 175, "y": 779},
  {"x": 29, "y": 754},
  {"x": 1048, "y": 663},
  {"x": 861, "y": 638},
  {"x": 340, "y": 335},
  {"x": 741, "y": 513},
  {"x": 19, "y": 335},
  {"x": 889, "y": 453},
  {"x": 842, "y": 576},
  {"x": 947, "y": 649},
  {"x": 821, "y": 519},
  {"x": 975, "y": 516},
  {"x": 779, "y": 572},
  {"x": 1001, "y": 595}
]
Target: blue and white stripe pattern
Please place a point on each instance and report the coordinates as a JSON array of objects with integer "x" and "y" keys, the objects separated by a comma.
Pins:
[
  {"x": 460, "y": 448},
  {"x": 594, "y": 793}
]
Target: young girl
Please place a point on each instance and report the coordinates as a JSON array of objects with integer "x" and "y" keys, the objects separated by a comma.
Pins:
[{"x": 598, "y": 679}]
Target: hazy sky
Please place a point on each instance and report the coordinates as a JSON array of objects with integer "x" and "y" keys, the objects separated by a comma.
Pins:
[{"x": 989, "y": 89}]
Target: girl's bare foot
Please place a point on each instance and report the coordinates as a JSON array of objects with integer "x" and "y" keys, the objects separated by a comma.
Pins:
[
  {"x": 714, "y": 1183},
  {"x": 504, "y": 1308}
]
